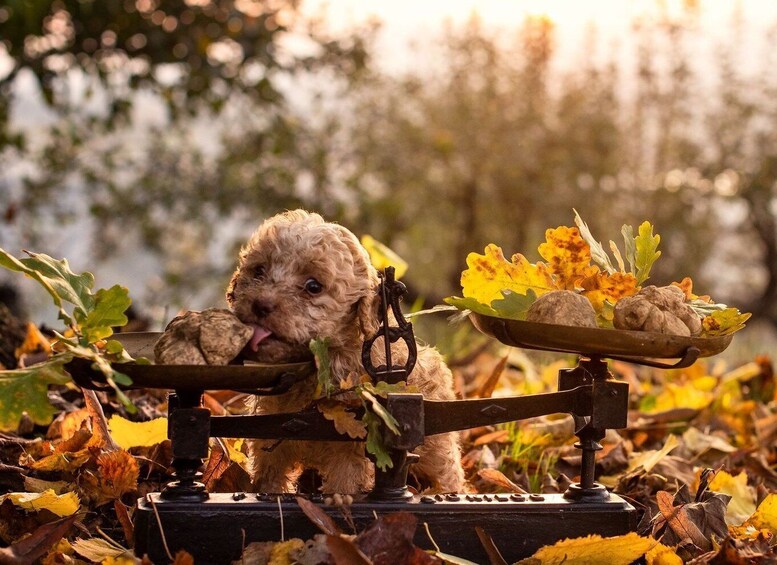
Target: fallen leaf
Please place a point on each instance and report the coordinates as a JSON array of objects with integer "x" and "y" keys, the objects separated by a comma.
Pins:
[
  {"x": 661, "y": 554},
  {"x": 60, "y": 504},
  {"x": 128, "y": 434},
  {"x": 592, "y": 550},
  {"x": 116, "y": 475},
  {"x": 32, "y": 547},
  {"x": 498, "y": 479},
  {"x": 742, "y": 503},
  {"x": 321, "y": 519},
  {"x": 281, "y": 552},
  {"x": 765, "y": 516},
  {"x": 97, "y": 549},
  {"x": 680, "y": 522}
]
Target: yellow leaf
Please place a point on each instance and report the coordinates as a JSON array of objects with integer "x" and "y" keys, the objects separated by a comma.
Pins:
[
  {"x": 648, "y": 459},
  {"x": 765, "y": 517},
  {"x": 600, "y": 286},
  {"x": 742, "y": 503},
  {"x": 487, "y": 275},
  {"x": 568, "y": 256},
  {"x": 662, "y": 555},
  {"x": 681, "y": 396},
  {"x": 381, "y": 256},
  {"x": 100, "y": 551},
  {"x": 593, "y": 550},
  {"x": 345, "y": 422},
  {"x": 281, "y": 552},
  {"x": 34, "y": 342},
  {"x": 61, "y": 505},
  {"x": 137, "y": 434},
  {"x": 235, "y": 449}
]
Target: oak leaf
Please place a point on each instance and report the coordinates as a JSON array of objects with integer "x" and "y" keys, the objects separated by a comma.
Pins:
[
  {"x": 489, "y": 274},
  {"x": 345, "y": 422},
  {"x": 602, "y": 287},
  {"x": 724, "y": 322},
  {"x": 568, "y": 256}
]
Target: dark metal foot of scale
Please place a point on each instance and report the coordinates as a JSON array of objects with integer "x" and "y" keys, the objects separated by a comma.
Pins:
[{"x": 212, "y": 531}]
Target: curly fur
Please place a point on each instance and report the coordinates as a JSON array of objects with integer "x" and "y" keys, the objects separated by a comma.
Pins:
[{"x": 268, "y": 289}]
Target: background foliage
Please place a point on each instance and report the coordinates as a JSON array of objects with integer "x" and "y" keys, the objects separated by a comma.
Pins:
[{"x": 168, "y": 131}]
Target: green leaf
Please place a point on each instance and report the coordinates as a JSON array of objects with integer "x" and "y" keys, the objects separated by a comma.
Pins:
[
  {"x": 26, "y": 390},
  {"x": 320, "y": 349},
  {"x": 383, "y": 389},
  {"x": 108, "y": 311},
  {"x": 514, "y": 306},
  {"x": 380, "y": 411},
  {"x": 13, "y": 264},
  {"x": 100, "y": 363},
  {"x": 598, "y": 254},
  {"x": 68, "y": 286},
  {"x": 604, "y": 318},
  {"x": 724, "y": 322},
  {"x": 470, "y": 304},
  {"x": 646, "y": 244},
  {"x": 631, "y": 247},
  {"x": 374, "y": 443}
]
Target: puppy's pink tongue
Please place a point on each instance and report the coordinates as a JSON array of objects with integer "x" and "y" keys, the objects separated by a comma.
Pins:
[{"x": 260, "y": 334}]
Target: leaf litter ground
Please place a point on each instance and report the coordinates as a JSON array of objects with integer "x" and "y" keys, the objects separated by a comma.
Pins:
[{"x": 697, "y": 460}]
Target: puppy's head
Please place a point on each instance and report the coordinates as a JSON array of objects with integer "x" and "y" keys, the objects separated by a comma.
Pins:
[{"x": 301, "y": 278}]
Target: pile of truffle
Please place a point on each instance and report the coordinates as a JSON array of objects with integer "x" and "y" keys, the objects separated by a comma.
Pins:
[{"x": 653, "y": 309}]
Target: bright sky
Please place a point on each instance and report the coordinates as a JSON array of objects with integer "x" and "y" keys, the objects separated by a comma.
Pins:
[{"x": 422, "y": 19}]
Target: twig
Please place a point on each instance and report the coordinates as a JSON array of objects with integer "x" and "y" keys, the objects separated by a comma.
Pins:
[
  {"x": 159, "y": 523},
  {"x": 431, "y": 539},
  {"x": 280, "y": 511},
  {"x": 111, "y": 541}
]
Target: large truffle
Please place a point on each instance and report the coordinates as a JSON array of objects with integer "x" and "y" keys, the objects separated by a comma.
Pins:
[
  {"x": 211, "y": 337},
  {"x": 657, "y": 309},
  {"x": 563, "y": 307}
]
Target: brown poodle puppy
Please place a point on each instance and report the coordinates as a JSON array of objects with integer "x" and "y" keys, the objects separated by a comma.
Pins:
[{"x": 301, "y": 278}]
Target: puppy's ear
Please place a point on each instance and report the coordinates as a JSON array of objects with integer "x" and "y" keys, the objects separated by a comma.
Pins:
[
  {"x": 231, "y": 289},
  {"x": 367, "y": 313}
]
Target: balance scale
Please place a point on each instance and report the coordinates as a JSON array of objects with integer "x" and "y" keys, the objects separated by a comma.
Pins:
[{"x": 215, "y": 527}]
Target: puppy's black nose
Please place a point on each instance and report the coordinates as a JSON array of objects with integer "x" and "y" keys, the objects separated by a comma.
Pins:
[{"x": 260, "y": 309}]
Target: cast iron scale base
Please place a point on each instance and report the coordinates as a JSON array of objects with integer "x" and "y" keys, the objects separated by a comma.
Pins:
[{"x": 214, "y": 527}]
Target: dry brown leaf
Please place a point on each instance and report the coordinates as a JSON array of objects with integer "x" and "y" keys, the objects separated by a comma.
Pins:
[
  {"x": 678, "y": 520},
  {"x": 497, "y": 478}
]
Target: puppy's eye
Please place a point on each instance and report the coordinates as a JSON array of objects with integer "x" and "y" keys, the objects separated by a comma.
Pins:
[
  {"x": 312, "y": 286},
  {"x": 259, "y": 272}
]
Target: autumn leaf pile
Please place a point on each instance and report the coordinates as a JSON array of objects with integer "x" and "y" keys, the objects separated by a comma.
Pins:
[{"x": 574, "y": 260}]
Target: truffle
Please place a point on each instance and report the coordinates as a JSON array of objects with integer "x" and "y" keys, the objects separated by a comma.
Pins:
[
  {"x": 657, "y": 309},
  {"x": 211, "y": 337},
  {"x": 563, "y": 307}
]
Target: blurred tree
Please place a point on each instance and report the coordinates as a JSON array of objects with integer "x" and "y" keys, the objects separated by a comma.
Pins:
[{"x": 160, "y": 118}]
